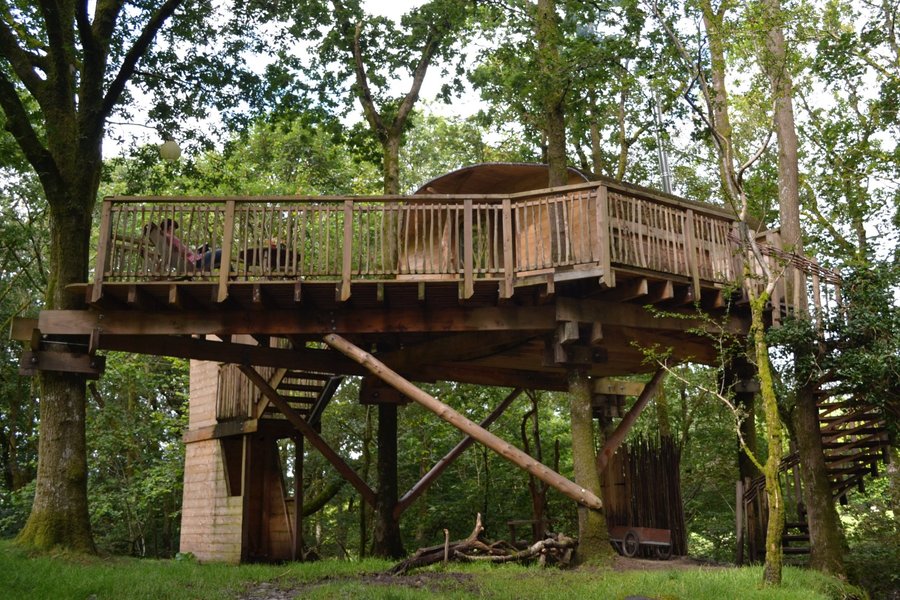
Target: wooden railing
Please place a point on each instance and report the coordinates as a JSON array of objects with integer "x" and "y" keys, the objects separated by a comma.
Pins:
[
  {"x": 441, "y": 236},
  {"x": 462, "y": 238}
]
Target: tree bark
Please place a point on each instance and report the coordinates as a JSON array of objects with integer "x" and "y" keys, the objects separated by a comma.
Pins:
[
  {"x": 386, "y": 540},
  {"x": 775, "y": 443},
  {"x": 826, "y": 538},
  {"x": 593, "y": 535}
]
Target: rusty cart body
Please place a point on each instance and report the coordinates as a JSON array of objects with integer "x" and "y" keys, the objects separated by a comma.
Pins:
[{"x": 628, "y": 540}]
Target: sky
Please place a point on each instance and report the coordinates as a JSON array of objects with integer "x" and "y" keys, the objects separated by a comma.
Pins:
[{"x": 137, "y": 132}]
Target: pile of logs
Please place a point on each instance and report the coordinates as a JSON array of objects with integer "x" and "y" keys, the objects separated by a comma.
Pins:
[{"x": 554, "y": 549}]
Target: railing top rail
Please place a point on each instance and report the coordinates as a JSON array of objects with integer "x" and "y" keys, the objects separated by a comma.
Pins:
[{"x": 626, "y": 189}]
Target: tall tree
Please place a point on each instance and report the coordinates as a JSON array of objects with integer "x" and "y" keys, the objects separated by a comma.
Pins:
[
  {"x": 65, "y": 68},
  {"x": 826, "y": 540},
  {"x": 715, "y": 114}
]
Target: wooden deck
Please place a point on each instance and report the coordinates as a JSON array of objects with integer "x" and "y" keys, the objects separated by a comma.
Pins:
[{"x": 509, "y": 289}]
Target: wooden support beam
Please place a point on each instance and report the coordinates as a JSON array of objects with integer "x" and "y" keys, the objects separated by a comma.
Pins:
[
  {"x": 456, "y": 348},
  {"x": 617, "y": 387},
  {"x": 567, "y": 333},
  {"x": 618, "y": 436},
  {"x": 21, "y": 328},
  {"x": 220, "y": 430},
  {"x": 420, "y": 319},
  {"x": 660, "y": 291},
  {"x": 61, "y": 362},
  {"x": 228, "y": 352},
  {"x": 137, "y": 297},
  {"x": 467, "y": 288},
  {"x": 274, "y": 382},
  {"x": 102, "y": 251},
  {"x": 310, "y": 434},
  {"x": 628, "y": 290},
  {"x": 501, "y": 447},
  {"x": 431, "y": 476}
]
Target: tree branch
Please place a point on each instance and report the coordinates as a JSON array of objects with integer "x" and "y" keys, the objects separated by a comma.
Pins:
[
  {"x": 135, "y": 53},
  {"x": 431, "y": 44},
  {"x": 22, "y": 62},
  {"x": 19, "y": 124},
  {"x": 362, "y": 81}
]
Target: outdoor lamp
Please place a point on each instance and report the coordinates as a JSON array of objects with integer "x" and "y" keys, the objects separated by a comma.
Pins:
[{"x": 169, "y": 150}]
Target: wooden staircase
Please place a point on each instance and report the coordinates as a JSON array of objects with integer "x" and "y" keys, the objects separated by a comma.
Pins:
[
  {"x": 307, "y": 392},
  {"x": 854, "y": 440}
]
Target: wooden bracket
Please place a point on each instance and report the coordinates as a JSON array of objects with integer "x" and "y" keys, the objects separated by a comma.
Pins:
[{"x": 61, "y": 362}]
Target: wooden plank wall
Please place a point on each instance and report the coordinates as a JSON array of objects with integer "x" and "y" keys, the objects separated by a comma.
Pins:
[{"x": 642, "y": 488}]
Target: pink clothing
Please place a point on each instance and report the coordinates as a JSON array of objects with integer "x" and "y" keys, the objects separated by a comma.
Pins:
[{"x": 178, "y": 245}]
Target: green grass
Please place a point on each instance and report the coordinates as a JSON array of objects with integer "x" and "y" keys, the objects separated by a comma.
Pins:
[{"x": 64, "y": 576}]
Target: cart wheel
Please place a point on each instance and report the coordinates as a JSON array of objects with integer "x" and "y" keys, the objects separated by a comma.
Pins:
[
  {"x": 630, "y": 544},
  {"x": 664, "y": 552}
]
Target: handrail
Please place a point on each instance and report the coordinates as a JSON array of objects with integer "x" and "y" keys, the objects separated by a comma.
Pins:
[{"x": 463, "y": 238}]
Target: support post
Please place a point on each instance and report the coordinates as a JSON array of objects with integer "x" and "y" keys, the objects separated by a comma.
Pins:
[
  {"x": 297, "y": 550},
  {"x": 739, "y": 521},
  {"x": 386, "y": 540},
  {"x": 501, "y": 447}
]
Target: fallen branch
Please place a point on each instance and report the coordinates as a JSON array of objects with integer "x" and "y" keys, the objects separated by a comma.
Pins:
[{"x": 554, "y": 549}]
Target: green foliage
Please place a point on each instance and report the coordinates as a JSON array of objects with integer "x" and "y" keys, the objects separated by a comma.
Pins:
[
  {"x": 136, "y": 462},
  {"x": 870, "y": 524}
]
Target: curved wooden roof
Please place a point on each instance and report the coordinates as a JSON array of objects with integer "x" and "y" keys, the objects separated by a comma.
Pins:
[{"x": 495, "y": 178}]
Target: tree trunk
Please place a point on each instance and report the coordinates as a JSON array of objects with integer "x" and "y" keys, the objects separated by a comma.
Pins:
[
  {"x": 59, "y": 515},
  {"x": 391, "y": 155},
  {"x": 593, "y": 536},
  {"x": 776, "y": 67},
  {"x": 552, "y": 97},
  {"x": 825, "y": 534},
  {"x": 775, "y": 528},
  {"x": 386, "y": 540}
]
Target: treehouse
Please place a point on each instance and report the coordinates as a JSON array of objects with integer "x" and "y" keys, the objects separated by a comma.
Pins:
[{"x": 483, "y": 276}]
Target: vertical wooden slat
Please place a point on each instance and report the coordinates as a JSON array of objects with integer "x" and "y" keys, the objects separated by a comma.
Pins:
[
  {"x": 690, "y": 249},
  {"x": 604, "y": 236},
  {"x": 227, "y": 239},
  {"x": 508, "y": 263},
  {"x": 104, "y": 245},
  {"x": 347, "y": 256},
  {"x": 468, "y": 278}
]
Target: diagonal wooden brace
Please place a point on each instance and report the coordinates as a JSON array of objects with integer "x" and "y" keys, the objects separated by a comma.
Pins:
[
  {"x": 425, "y": 482},
  {"x": 309, "y": 433},
  {"x": 501, "y": 447},
  {"x": 618, "y": 436}
]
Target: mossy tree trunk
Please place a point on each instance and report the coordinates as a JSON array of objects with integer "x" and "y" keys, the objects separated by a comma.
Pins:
[
  {"x": 774, "y": 442},
  {"x": 74, "y": 86},
  {"x": 593, "y": 536}
]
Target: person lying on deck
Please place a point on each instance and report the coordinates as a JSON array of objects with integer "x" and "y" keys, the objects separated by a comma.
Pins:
[{"x": 202, "y": 258}]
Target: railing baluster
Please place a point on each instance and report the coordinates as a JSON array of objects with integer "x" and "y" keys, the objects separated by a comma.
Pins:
[
  {"x": 347, "y": 251},
  {"x": 227, "y": 239},
  {"x": 468, "y": 278}
]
